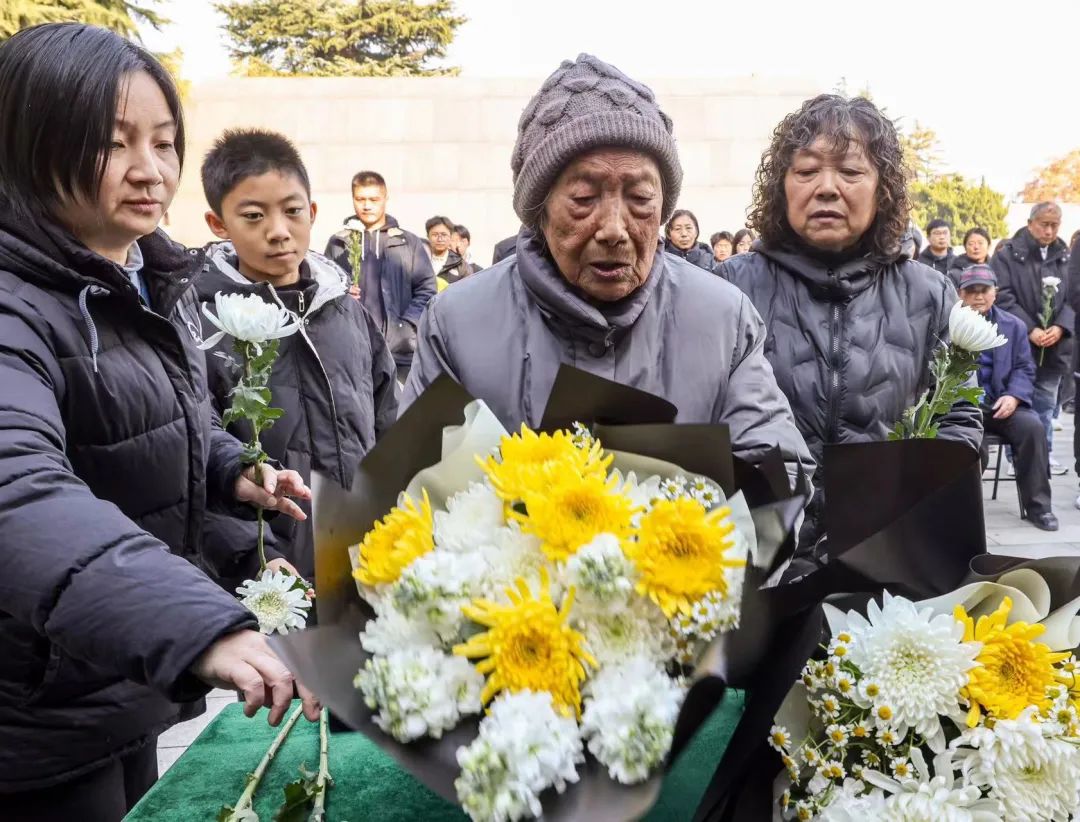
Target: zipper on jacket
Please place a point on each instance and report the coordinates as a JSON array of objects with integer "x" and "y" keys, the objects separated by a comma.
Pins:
[
  {"x": 834, "y": 369},
  {"x": 300, "y": 294}
]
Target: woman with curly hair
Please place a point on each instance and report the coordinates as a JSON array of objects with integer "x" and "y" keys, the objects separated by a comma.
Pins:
[{"x": 851, "y": 323}]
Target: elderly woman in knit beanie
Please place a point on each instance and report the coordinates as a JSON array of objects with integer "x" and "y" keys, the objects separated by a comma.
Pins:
[{"x": 596, "y": 172}]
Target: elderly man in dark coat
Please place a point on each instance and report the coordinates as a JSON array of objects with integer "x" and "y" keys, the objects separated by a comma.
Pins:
[
  {"x": 596, "y": 172},
  {"x": 1007, "y": 378}
]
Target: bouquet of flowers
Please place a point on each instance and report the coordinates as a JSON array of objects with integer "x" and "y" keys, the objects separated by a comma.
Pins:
[
  {"x": 970, "y": 333},
  {"x": 1050, "y": 287},
  {"x": 961, "y": 707},
  {"x": 567, "y": 596}
]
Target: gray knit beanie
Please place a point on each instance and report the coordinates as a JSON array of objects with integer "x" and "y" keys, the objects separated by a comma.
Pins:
[{"x": 584, "y": 105}]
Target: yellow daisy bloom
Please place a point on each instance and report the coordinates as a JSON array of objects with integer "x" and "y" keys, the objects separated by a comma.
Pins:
[
  {"x": 529, "y": 645},
  {"x": 679, "y": 553},
  {"x": 573, "y": 510},
  {"x": 400, "y": 537},
  {"x": 528, "y": 461},
  {"x": 1013, "y": 672}
]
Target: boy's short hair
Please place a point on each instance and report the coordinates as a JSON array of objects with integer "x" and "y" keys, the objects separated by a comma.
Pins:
[
  {"x": 434, "y": 221},
  {"x": 241, "y": 153},
  {"x": 368, "y": 178},
  {"x": 937, "y": 223},
  {"x": 463, "y": 232}
]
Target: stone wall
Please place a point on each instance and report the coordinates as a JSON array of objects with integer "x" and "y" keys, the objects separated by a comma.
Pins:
[{"x": 444, "y": 144}]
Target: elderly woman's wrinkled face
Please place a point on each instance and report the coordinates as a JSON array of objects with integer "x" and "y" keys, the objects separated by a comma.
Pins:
[
  {"x": 602, "y": 219},
  {"x": 683, "y": 233},
  {"x": 831, "y": 197}
]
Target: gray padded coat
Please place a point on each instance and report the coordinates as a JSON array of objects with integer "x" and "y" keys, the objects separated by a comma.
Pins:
[{"x": 685, "y": 335}]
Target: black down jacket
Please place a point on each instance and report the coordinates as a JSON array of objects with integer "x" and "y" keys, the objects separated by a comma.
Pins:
[
  {"x": 699, "y": 254},
  {"x": 107, "y": 455},
  {"x": 1020, "y": 268},
  {"x": 335, "y": 380},
  {"x": 850, "y": 345},
  {"x": 406, "y": 279}
]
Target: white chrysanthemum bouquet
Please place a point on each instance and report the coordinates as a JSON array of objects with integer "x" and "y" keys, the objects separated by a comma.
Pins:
[
  {"x": 964, "y": 707},
  {"x": 1050, "y": 286},
  {"x": 529, "y": 580}
]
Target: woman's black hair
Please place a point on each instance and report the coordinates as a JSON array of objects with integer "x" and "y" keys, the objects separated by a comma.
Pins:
[
  {"x": 59, "y": 88},
  {"x": 982, "y": 232},
  {"x": 739, "y": 235},
  {"x": 841, "y": 122},
  {"x": 682, "y": 212}
]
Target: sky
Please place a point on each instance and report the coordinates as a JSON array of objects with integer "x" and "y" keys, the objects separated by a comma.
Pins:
[{"x": 992, "y": 79}]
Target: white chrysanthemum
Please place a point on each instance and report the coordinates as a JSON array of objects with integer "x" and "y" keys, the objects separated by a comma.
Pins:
[
  {"x": 419, "y": 692},
  {"x": 1033, "y": 776},
  {"x": 629, "y": 718},
  {"x": 248, "y": 317},
  {"x": 471, "y": 519},
  {"x": 392, "y": 631},
  {"x": 850, "y": 806},
  {"x": 617, "y": 632},
  {"x": 936, "y": 794},
  {"x": 513, "y": 554},
  {"x": 272, "y": 598},
  {"x": 435, "y": 587},
  {"x": 1051, "y": 283},
  {"x": 705, "y": 492},
  {"x": 523, "y": 748},
  {"x": 600, "y": 571},
  {"x": 642, "y": 493},
  {"x": 918, "y": 661},
  {"x": 971, "y": 331}
]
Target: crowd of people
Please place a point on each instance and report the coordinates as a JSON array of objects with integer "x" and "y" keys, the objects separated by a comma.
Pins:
[{"x": 123, "y": 498}]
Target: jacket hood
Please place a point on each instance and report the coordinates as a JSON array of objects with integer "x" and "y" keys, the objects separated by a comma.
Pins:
[
  {"x": 565, "y": 306},
  {"x": 220, "y": 273},
  {"x": 47, "y": 255},
  {"x": 826, "y": 280}
]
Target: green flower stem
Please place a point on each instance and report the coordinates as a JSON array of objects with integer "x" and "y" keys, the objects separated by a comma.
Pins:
[
  {"x": 255, "y": 778},
  {"x": 323, "y": 781}
]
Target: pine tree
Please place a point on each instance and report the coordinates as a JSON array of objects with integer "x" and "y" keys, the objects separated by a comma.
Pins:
[
  {"x": 339, "y": 38},
  {"x": 960, "y": 203},
  {"x": 122, "y": 17}
]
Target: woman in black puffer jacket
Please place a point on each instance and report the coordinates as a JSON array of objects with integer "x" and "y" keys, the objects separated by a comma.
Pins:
[
  {"x": 681, "y": 234},
  {"x": 109, "y": 453},
  {"x": 852, "y": 325}
]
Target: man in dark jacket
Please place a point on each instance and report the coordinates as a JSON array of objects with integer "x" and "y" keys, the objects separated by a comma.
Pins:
[
  {"x": 1007, "y": 378},
  {"x": 938, "y": 254},
  {"x": 503, "y": 249},
  {"x": 335, "y": 378},
  {"x": 396, "y": 281},
  {"x": 1022, "y": 266}
]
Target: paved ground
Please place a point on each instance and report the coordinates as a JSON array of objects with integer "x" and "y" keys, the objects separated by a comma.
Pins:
[{"x": 1006, "y": 533}]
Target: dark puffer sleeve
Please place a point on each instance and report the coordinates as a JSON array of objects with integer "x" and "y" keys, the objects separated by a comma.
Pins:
[
  {"x": 76, "y": 569},
  {"x": 384, "y": 385}
]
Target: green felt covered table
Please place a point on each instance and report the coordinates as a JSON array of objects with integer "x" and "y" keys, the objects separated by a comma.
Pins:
[{"x": 369, "y": 785}]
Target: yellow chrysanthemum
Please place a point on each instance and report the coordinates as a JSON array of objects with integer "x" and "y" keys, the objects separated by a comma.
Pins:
[
  {"x": 403, "y": 535},
  {"x": 679, "y": 553},
  {"x": 1013, "y": 672},
  {"x": 573, "y": 510},
  {"x": 529, "y": 645},
  {"x": 528, "y": 461}
]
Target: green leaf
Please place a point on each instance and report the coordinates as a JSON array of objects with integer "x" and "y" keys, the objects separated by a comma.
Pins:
[{"x": 299, "y": 798}]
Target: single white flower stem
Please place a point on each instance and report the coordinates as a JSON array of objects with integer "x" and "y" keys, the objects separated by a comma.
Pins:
[
  {"x": 256, "y": 777},
  {"x": 323, "y": 780}
]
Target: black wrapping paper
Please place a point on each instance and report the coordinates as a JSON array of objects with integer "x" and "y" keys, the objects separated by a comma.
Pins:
[{"x": 326, "y": 658}]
